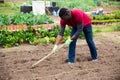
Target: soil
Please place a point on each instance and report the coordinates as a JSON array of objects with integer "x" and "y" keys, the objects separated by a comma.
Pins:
[
  {"x": 15, "y": 62},
  {"x": 111, "y": 36}
]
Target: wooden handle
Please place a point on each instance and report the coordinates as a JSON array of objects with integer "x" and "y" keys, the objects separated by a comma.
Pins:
[{"x": 46, "y": 56}]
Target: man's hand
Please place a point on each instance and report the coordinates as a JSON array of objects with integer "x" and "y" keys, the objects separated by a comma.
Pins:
[
  {"x": 68, "y": 41},
  {"x": 55, "y": 49}
]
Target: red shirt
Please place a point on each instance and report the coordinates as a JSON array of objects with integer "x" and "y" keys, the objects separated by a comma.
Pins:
[{"x": 78, "y": 16}]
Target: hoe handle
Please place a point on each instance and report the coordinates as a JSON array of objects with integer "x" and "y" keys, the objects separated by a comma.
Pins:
[{"x": 46, "y": 56}]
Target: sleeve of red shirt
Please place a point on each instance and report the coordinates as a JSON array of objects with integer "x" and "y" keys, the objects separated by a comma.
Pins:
[{"x": 62, "y": 23}]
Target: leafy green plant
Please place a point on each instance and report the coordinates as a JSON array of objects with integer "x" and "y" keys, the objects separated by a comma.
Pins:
[
  {"x": 99, "y": 17},
  {"x": 105, "y": 21},
  {"x": 19, "y": 36},
  {"x": 44, "y": 32},
  {"x": 67, "y": 31},
  {"x": 30, "y": 19},
  {"x": 7, "y": 39},
  {"x": 43, "y": 19},
  {"x": 52, "y": 40},
  {"x": 4, "y": 20},
  {"x": 23, "y": 18}
]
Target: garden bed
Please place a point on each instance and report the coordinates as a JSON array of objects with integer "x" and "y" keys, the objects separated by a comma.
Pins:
[
  {"x": 15, "y": 63},
  {"x": 114, "y": 17}
]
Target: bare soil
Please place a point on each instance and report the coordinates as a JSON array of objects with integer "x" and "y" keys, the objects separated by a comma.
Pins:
[
  {"x": 15, "y": 63},
  {"x": 111, "y": 36}
]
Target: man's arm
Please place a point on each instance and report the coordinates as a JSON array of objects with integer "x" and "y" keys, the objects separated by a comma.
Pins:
[
  {"x": 60, "y": 35},
  {"x": 78, "y": 32}
]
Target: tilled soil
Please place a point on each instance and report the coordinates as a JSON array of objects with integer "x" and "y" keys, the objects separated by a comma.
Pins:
[{"x": 15, "y": 63}]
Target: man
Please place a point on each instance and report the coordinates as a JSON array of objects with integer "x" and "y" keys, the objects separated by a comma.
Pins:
[{"x": 79, "y": 21}]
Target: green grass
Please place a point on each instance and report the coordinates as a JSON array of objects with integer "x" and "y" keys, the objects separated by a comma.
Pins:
[
  {"x": 103, "y": 29},
  {"x": 85, "y": 5},
  {"x": 8, "y": 10},
  {"x": 117, "y": 27},
  {"x": 107, "y": 28}
]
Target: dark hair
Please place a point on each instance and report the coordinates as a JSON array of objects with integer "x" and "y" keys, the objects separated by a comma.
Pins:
[{"x": 63, "y": 11}]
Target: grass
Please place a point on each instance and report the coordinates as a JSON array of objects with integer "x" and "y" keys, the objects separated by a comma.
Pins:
[
  {"x": 97, "y": 30},
  {"x": 85, "y": 5},
  {"x": 10, "y": 8},
  {"x": 107, "y": 28},
  {"x": 117, "y": 27},
  {"x": 103, "y": 29}
]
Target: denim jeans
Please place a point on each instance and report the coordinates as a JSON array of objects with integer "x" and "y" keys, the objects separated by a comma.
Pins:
[{"x": 89, "y": 39}]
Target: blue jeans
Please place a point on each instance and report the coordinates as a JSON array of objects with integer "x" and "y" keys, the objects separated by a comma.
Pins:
[{"x": 89, "y": 39}]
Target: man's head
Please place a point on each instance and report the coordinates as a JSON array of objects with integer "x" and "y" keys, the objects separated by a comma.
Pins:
[{"x": 65, "y": 14}]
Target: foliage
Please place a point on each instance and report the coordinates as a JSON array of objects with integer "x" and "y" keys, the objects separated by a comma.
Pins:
[
  {"x": 27, "y": 3},
  {"x": 114, "y": 2},
  {"x": 82, "y": 36},
  {"x": 43, "y": 19},
  {"x": 4, "y": 20},
  {"x": 105, "y": 21},
  {"x": 9, "y": 39},
  {"x": 117, "y": 14},
  {"x": 114, "y": 17},
  {"x": 105, "y": 17},
  {"x": 85, "y": 5},
  {"x": 43, "y": 32},
  {"x": 24, "y": 18},
  {"x": 6, "y": 38}
]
